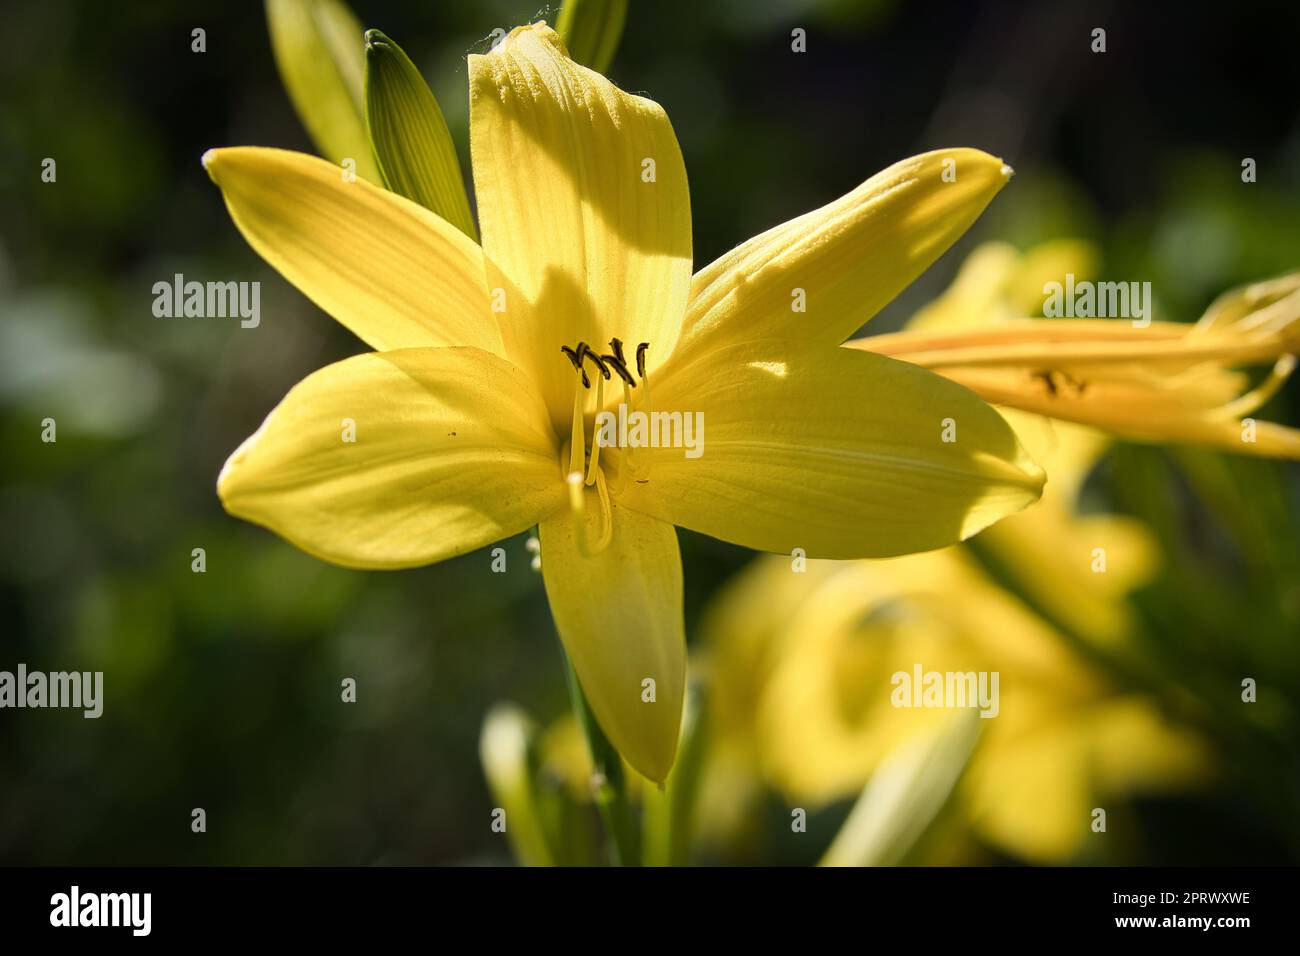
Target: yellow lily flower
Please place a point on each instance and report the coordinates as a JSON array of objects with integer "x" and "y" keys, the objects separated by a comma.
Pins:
[
  {"x": 823, "y": 717},
  {"x": 1165, "y": 382},
  {"x": 475, "y": 419}
]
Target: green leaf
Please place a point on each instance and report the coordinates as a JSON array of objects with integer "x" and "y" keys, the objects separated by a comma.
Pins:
[
  {"x": 412, "y": 144},
  {"x": 591, "y": 30},
  {"x": 318, "y": 49}
]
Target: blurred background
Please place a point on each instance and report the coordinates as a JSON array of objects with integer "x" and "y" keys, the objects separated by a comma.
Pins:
[{"x": 222, "y": 688}]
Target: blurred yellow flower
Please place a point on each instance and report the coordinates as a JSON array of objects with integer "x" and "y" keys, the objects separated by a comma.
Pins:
[
  {"x": 822, "y": 680},
  {"x": 474, "y": 419}
]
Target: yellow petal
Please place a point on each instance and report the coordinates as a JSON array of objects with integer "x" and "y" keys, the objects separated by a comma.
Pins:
[
  {"x": 820, "y": 734},
  {"x": 741, "y": 627},
  {"x": 809, "y": 447},
  {"x": 581, "y": 244},
  {"x": 1052, "y": 558},
  {"x": 619, "y": 613},
  {"x": 849, "y": 258},
  {"x": 451, "y": 452},
  {"x": 318, "y": 49},
  {"x": 1137, "y": 749},
  {"x": 1064, "y": 343},
  {"x": 1029, "y": 789},
  {"x": 1164, "y": 382},
  {"x": 1045, "y": 767},
  {"x": 1135, "y": 412},
  {"x": 391, "y": 271}
]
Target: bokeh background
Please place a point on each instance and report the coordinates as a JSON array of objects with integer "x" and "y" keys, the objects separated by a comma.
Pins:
[{"x": 222, "y": 688}]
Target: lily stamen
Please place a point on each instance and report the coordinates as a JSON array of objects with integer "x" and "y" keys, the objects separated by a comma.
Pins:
[
  {"x": 577, "y": 433},
  {"x": 585, "y": 350},
  {"x": 621, "y": 367},
  {"x": 575, "y": 356},
  {"x": 594, "y": 465},
  {"x": 624, "y": 454},
  {"x": 638, "y": 473},
  {"x": 584, "y": 459}
]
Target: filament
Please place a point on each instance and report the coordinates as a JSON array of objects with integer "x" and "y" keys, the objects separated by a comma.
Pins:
[
  {"x": 642, "y": 470},
  {"x": 576, "y": 440},
  {"x": 593, "y": 465}
]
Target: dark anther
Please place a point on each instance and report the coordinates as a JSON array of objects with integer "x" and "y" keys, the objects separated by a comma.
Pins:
[
  {"x": 575, "y": 356},
  {"x": 1056, "y": 380},
  {"x": 588, "y": 354},
  {"x": 617, "y": 346},
  {"x": 621, "y": 367},
  {"x": 640, "y": 358},
  {"x": 579, "y": 356}
]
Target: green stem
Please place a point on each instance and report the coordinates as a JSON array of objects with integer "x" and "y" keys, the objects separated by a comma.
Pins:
[{"x": 611, "y": 783}]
